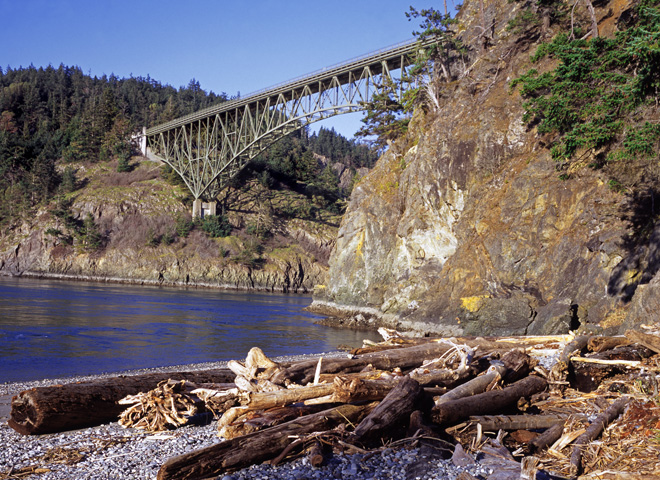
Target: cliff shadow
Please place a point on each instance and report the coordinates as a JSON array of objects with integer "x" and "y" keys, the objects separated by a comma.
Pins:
[{"x": 641, "y": 245}]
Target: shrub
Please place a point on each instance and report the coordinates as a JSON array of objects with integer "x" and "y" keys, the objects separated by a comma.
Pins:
[{"x": 216, "y": 226}]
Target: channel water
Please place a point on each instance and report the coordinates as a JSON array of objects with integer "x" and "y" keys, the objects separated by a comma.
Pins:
[{"x": 55, "y": 329}]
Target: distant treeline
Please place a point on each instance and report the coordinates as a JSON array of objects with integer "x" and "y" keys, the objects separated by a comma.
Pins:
[{"x": 50, "y": 115}]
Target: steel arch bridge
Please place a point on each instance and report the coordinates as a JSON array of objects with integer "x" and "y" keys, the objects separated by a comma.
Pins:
[{"x": 209, "y": 147}]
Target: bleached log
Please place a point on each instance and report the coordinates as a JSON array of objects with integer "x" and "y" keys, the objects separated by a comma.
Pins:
[
  {"x": 241, "y": 452},
  {"x": 494, "y": 401}
]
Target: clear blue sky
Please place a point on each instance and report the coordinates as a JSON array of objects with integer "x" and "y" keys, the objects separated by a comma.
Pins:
[{"x": 228, "y": 46}]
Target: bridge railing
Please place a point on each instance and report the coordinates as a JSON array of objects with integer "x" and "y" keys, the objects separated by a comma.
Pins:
[
  {"x": 345, "y": 63},
  {"x": 398, "y": 48}
]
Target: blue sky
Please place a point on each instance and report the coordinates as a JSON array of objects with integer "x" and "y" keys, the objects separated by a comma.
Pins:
[{"x": 228, "y": 46}]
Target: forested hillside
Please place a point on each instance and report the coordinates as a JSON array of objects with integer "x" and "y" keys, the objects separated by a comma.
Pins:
[
  {"x": 51, "y": 116},
  {"x": 77, "y": 200}
]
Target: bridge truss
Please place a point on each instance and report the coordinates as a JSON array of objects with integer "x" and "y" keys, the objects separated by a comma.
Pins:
[{"x": 209, "y": 147}]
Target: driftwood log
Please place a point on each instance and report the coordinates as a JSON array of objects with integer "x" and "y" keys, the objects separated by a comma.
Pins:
[
  {"x": 517, "y": 422},
  {"x": 257, "y": 447},
  {"x": 547, "y": 438},
  {"x": 475, "y": 386},
  {"x": 494, "y": 401},
  {"x": 71, "y": 406},
  {"x": 560, "y": 370},
  {"x": 406, "y": 357},
  {"x": 392, "y": 415},
  {"x": 253, "y": 420},
  {"x": 594, "y": 430}
]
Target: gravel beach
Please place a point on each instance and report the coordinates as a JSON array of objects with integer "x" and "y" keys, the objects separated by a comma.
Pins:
[{"x": 112, "y": 452}]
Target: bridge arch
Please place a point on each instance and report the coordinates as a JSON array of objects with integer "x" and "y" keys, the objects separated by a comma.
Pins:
[{"x": 208, "y": 148}]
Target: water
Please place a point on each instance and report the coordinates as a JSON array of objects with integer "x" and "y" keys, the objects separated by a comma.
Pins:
[{"x": 53, "y": 329}]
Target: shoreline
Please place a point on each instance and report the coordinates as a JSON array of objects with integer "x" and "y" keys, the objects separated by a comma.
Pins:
[
  {"x": 9, "y": 389},
  {"x": 146, "y": 282}
]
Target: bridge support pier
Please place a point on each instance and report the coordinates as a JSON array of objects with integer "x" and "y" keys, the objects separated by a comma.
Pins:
[
  {"x": 197, "y": 208},
  {"x": 202, "y": 209}
]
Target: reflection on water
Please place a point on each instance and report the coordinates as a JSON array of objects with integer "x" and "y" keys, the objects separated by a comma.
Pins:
[{"x": 52, "y": 329}]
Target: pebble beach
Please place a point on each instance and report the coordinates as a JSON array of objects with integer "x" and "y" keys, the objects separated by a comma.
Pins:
[{"x": 113, "y": 452}]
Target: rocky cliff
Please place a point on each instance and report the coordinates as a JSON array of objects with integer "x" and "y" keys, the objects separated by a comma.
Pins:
[
  {"x": 134, "y": 213},
  {"x": 465, "y": 226}
]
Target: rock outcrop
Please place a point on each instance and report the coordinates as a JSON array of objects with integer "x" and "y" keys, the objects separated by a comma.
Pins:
[
  {"x": 129, "y": 212},
  {"x": 465, "y": 226}
]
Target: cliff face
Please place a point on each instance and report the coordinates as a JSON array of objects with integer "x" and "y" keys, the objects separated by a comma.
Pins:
[
  {"x": 131, "y": 208},
  {"x": 465, "y": 227}
]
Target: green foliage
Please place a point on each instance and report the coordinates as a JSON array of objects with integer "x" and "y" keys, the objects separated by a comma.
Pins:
[
  {"x": 152, "y": 239},
  {"x": 183, "y": 226},
  {"x": 91, "y": 237},
  {"x": 168, "y": 238},
  {"x": 53, "y": 232},
  {"x": 69, "y": 182},
  {"x": 259, "y": 230},
  {"x": 250, "y": 256},
  {"x": 433, "y": 63},
  {"x": 591, "y": 99},
  {"x": 384, "y": 121},
  {"x": 48, "y": 114},
  {"x": 216, "y": 226},
  {"x": 523, "y": 20}
]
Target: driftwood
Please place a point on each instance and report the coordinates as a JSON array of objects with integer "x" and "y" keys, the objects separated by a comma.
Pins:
[
  {"x": 599, "y": 344},
  {"x": 594, "y": 430},
  {"x": 254, "y": 448},
  {"x": 475, "y": 386},
  {"x": 517, "y": 422},
  {"x": 560, "y": 371},
  {"x": 252, "y": 421},
  {"x": 495, "y": 401},
  {"x": 167, "y": 406},
  {"x": 590, "y": 371},
  {"x": 86, "y": 404},
  {"x": 315, "y": 455},
  {"x": 407, "y": 357},
  {"x": 391, "y": 414},
  {"x": 652, "y": 342},
  {"x": 547, "y": 438}
]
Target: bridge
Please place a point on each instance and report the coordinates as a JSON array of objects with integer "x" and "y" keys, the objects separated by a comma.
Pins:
[{"x": 210, "y": 147}]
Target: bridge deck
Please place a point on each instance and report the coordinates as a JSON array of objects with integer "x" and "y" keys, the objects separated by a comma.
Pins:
[{"x": 391, "y": 56}]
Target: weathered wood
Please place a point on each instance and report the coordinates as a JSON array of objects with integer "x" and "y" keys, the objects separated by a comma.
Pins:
[
  {"x": 599, "y": 344},
  {"x": 651, "y": 342},
  {"x": 353, "y": 390},
  {"x": 280, "y": 398},
  {"x": 407, "y": 357},
  {"x": 486, "y": 403},
  {"x": 417, "y": 426},
  {"x": 547, "y": 438},
  {"x": 594, "y": 430},
  {"x": 590, "y": 371},
  {"x": 517, "y": 422},
  {"x": 85, "y": 404},
  {"x": 392, "y": 414},
  {"x": 473, "y": 387},
  {"x": 254, "y": 420},
  {"x": 256, "y": 447},
  {"x": 315, "y": 455},
  {"x": 559, "y": 372},
  {"x": 610, "y": 475}
]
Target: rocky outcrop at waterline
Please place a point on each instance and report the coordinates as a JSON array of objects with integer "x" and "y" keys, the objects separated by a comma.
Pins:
[
  {"x": 465, "y": 226},
  {"x": 136, "y": 215}
]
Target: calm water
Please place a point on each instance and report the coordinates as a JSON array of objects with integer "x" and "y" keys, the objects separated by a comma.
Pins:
[{"x": 51, "y": 329}]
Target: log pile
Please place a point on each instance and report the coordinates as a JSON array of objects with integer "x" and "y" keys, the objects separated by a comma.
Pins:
[{"x": 470, "y": 396}]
